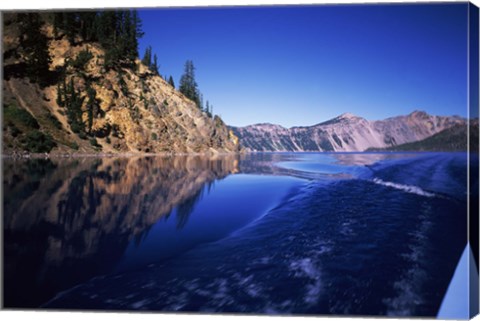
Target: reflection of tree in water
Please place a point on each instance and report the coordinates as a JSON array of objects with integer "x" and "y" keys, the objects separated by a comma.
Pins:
[
  {"x": 18, "y": 189},
  {"x": 186, "y": 208},
  {"x": 139, "y": 238},
  {"x": 68, "y": 220},
  {"x": 68, "y": 208}
]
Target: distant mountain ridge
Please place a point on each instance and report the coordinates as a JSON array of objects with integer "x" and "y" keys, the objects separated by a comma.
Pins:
[
  {"x": 345, "y": 133},
  {"x": 453, "y": 139}
]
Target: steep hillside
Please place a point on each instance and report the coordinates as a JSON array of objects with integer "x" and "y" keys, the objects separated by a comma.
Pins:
[
  {"x": 84, "y": 107},
  {"x": 346, "y": 132},
  {"x": 450, "y": 139}
]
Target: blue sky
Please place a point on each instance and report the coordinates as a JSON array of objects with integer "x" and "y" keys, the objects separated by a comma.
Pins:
[{"x": 301, "y": 65}]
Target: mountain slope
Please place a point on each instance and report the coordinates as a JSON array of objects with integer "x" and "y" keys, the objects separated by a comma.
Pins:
[
  {"x": 346, "y": 132},
  {"x": 450, "y": 139},
  {"x": 120, "y": 109}
]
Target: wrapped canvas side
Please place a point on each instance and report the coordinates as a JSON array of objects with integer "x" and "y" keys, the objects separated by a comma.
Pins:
[{"x": 473, "y": 83}]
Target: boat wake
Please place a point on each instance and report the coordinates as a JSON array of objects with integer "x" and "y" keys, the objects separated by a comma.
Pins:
[{"x": 406, "y": 188}]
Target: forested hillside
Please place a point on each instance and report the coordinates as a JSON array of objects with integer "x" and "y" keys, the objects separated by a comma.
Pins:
[{"x": 74, "y": 83}]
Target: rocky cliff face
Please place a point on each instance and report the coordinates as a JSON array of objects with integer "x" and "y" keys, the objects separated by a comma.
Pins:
[
  {"x": 134, "y": 110},
  {"x": 346, "y": 132}
]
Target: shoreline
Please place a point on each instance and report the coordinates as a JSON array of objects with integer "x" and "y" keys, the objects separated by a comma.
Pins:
[{"x": 27, "y": 155}]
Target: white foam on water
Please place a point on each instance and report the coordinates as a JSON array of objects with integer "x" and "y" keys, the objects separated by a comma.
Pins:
[
  {"x": 139, "y": 304},
  {"x": 179, "y": 301},
  {"x": 254, "y": 290},
  {"x": 347, "y": 227},
  {"x": 409, "y": 283},
  {"x": 221, "y": 294},
  {"x": 306, "y": 268},
  {"x": 262, "y": 260},
  {"x": 247, "y": 284},
  {"x": 313, "y": 292},
  {"x": 278, "y": 308},
  {"x": 406, "y": 188},
  {"x": 408, "y": 298}
]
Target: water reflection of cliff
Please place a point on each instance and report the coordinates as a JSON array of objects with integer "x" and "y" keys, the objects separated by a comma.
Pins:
[{"x": 68, "y": 220}]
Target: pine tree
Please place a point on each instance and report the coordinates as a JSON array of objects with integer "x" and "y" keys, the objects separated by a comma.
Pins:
[
  {"x": 106, "y": 28},
  {"x": 35, "y": 47},
  {"x": 73, "y": 24},
  {"x": 136, "y": 33},
  {"x": 60, "y": 101},
  {"x": 170, "y": 81},
  {"x": 207, "y": 109},
  {"x": 201, "y": 101},
  {"x": 118, "y": 33},
  {"x": 70, "y": 25},
  {"x": 87, "y": 20},
  {"x": 127, "y": 39},
  {"x": 119, "y": 27},
  {"x": 154, "y": 66},
  {"x": 57, "y": 23},
  {"x": 129, "y": 31},
  {"x": 92, "y": 106},
  {"x": 188, "y": 85},
  {"x": 73, "y": 104},
  {"x": 64, "y": 91},
  {"x": 147, "y": 57}
]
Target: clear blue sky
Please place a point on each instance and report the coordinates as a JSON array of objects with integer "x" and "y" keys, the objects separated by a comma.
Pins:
[{"x": 301, "y": 65}]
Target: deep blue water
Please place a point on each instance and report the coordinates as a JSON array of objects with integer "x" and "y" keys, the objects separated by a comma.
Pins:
[{"x": 347, "y": 234}]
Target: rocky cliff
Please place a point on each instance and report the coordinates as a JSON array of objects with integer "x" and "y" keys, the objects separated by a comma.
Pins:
[
  {"x": 119, "y": 109},
  {"x": 346, "y": 132}
]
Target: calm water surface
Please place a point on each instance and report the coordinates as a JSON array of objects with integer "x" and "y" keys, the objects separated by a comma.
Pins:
[{"x": 309, "y": 233}]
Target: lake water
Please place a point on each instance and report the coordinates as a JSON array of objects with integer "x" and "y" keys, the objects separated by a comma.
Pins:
[{"x": 279, "y": 233}]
